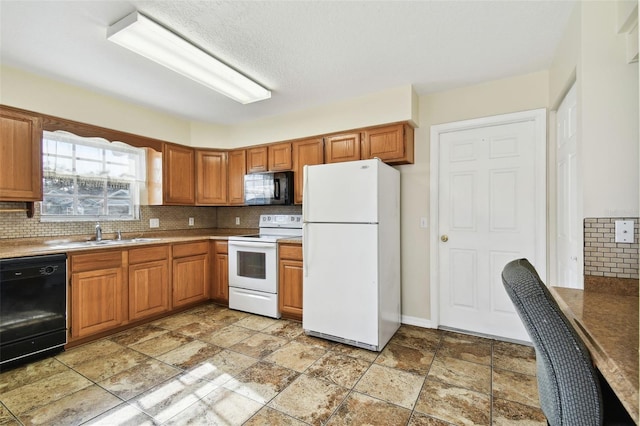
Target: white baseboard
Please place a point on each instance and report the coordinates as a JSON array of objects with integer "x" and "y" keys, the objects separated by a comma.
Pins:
[{"x": 419, "y": 322}]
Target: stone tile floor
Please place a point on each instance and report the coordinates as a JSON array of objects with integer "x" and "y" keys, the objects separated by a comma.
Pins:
[{"x": 211, "y": 365}]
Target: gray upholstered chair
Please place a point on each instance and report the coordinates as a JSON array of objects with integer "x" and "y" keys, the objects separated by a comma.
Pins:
[{"x": 569, "y": 387}]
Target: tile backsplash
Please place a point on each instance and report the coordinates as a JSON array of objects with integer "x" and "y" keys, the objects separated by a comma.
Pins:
[
  {"x": 17, "y": 225},
  {"x": 250, "y": 215},
  {"x": 603, "y": 257}
]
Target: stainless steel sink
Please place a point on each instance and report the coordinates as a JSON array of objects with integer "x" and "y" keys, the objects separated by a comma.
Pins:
[{"x": 101, "y": 243}]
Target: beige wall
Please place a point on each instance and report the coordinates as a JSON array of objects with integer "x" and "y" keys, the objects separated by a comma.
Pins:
[
  {"x": 593, "y": 55},
  {"x": 34, "y": 93},
  {"x": 490, "y": 98},
  {"x": 396, "y": 104},
  {"x": 608, "y": 104}
]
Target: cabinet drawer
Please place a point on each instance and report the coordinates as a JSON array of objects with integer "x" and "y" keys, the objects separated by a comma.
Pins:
[
  {"x": 291, "y": 251},
  {"x": 148, "y": 254},
  {"x": 95, "y": 261},
  {"x": 221, "y": 247},
  {"x": 190, "y": 249}
]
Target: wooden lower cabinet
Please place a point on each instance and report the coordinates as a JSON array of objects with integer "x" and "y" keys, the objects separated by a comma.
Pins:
[
  {"x": 290, "y": 281},
  {"x": 148, "y": 282},
  {"x": 98, "y": 296},
  {"x": 190, "y": 273},
  {"x": 220, "y": 271}
]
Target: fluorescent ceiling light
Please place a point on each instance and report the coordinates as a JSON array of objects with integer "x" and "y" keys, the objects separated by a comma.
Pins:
[{"x": 143, "y": 36}]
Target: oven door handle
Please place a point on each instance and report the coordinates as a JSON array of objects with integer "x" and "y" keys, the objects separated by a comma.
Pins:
[{"x": 250, "y": 244}]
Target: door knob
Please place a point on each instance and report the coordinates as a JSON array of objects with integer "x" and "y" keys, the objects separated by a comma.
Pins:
[{"x": 444, "y": 238}]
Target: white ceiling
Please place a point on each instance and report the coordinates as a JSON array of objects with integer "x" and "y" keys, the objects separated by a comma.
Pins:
[{"x": 309, "y": 53}]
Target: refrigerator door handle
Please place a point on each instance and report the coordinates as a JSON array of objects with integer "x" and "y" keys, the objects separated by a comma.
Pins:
[
  {"x": 305, "y": 268},
  {"x": 305, "y": 194}
]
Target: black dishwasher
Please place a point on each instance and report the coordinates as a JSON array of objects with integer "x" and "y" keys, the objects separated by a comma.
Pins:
[{"x": 33, "y": 307}]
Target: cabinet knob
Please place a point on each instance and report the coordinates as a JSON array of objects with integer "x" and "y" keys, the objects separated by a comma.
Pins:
[{"x": 444, "y": 238}]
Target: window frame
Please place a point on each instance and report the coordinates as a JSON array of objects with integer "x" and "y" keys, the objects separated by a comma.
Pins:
[{"x": 133, "y": 184}]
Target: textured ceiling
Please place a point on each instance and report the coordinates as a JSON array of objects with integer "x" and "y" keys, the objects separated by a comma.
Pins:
[{"x": 309, "y": 53}]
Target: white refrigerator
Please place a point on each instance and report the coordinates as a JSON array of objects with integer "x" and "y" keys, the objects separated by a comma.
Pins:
[{"x": 351, "y": 252}]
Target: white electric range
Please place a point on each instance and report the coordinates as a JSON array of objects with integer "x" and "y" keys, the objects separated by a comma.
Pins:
[{"x": 253, "y": 265}]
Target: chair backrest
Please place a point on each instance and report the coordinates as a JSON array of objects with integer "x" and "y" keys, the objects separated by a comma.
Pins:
[{"x": 568, "y": 384}]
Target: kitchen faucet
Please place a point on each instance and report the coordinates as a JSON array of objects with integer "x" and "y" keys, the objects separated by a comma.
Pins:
[{"x": 98, "y": 232}]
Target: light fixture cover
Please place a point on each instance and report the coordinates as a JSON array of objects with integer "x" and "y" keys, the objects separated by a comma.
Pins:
[{"x": 143, "y": 36}]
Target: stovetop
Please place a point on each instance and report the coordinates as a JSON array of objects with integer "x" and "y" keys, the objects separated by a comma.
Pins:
[{"x": 273, "y": 228}]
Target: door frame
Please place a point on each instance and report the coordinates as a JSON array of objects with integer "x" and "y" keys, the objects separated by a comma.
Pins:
[{"x": 539, "y": 118}]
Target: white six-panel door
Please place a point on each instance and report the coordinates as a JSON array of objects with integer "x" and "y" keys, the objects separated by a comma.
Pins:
[
  {"x": 488, "y": 196},
  {"x": 568, "y": 225}
]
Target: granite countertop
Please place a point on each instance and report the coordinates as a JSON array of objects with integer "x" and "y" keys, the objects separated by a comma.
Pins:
[
  {"x": 608, "y": 324},
  {"x": 291, "y": 240},
  {"x": 19, "y": 247}
]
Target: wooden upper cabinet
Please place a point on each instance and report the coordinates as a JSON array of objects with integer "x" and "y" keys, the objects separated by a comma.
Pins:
[
  {"x": 257, "y": 159},
  {"x": 280, "y": 157},
  {"x": 20, "y": 156},
  {"x": 305, "y": 152},
  {"x": 178, "y": 175},
  {"x": 392, "y": 144},
  {"x": 211, "y": 177},
  {"x": 343, "y": 147},
  {"x": 237, "y": 170}
]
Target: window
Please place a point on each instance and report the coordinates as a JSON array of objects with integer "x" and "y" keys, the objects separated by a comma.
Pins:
[{"x": 90, "y": 178}]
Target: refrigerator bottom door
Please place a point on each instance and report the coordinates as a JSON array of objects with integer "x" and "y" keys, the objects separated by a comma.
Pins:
[
  {"x": 255, "y": 302},
  {"x": 340, "y": 282}
]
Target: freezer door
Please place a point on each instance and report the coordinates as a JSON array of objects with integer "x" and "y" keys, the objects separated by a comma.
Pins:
[
  {"x": 341, "y": 192},
  {"x": 340, "y": 281}
]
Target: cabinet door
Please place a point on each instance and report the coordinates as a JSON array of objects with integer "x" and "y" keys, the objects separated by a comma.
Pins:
[
  {"x": 280, "y": 157},
  {"x": 178, "y": 175},
  {"x": 221, "y": 280},
  {"x": 20, "y": 156},
  {"x": 257, "y": 160},
  {"x": 392, "y": 144},
  {"x": 237, "y": 170},
  {"x": 305, "y": 152},
  {"x": 290, "y": 293},
  {"x": 211, "y": 177},
  {"x": 97, "y": 301},
  {"x": 220, "y": 270},
  {"x": 190, "y": 279},
  {"x": 339, "y": 148},
  {"x": 148, "y": 289}
]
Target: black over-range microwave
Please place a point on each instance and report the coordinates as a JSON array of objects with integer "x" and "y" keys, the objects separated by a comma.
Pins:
[{"x": 268, "y": 188}]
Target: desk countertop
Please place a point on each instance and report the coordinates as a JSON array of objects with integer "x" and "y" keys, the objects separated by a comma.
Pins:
[{"x": 608, "y": 324}]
